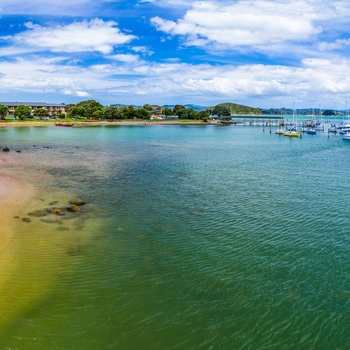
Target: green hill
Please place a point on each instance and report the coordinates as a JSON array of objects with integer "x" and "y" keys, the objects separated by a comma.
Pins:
[{"x": 237, "y": 109}]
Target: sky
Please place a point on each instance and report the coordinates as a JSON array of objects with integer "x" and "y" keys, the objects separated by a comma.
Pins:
[{"x": 259, "y": 53}]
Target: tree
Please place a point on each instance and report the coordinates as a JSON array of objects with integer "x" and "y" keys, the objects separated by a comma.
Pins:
[
  {"x": 98, "y": 114},
  {"x": 203, "y": 115},
  {"x": 128, "y": 112},
  {"x": 41, "y": 112},
  {"x": 168, "y": 111},
  {"x": 143, "y": 113},
  {"x": 112, "y": 112},
  {"x": 90, "y": 107},
  {"x": 3, "y": 110},
  {"x": 76, "y": 111},
  {"x": 22, "y": 112},
  {"x": 179, "y": 110},
  {"x": 221, "y": 111}
]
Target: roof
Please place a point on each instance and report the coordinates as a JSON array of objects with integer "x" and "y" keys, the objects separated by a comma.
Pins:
[{"x": 32, "y": 104}]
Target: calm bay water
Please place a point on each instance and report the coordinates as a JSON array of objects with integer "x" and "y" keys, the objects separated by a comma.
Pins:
[{"x": 193, "y": 238}]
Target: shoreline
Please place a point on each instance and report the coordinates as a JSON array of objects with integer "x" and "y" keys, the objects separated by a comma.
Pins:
[{"x": 109, "y": 123}]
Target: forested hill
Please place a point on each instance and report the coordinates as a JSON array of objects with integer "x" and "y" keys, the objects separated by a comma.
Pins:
[{"x": 234, "y": 108}]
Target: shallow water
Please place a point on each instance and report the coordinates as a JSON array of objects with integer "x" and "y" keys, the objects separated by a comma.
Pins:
[{"x": 192, "y": 238}]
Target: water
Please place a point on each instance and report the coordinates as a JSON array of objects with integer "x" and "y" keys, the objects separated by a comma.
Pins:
[{"x": 192, "y": 238}]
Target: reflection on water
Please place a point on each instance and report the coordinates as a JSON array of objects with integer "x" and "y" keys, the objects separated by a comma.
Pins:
[{"x": 191, "y": 237}]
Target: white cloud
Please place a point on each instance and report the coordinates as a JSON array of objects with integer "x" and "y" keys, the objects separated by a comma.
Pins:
[
  {"x": 255, "y": 84},
  {"x": 250, "y": 23},
  {"x": 86, "y": 36},
  {"x": 125, "y": 58},
  {"x": 338, "y": 44}
]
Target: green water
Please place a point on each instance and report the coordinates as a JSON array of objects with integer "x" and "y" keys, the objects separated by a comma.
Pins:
[{"x": 192, "y": 238}]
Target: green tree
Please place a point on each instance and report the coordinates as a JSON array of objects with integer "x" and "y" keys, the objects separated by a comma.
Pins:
[
  {"x": 203, "y": 115},
  {"x": 190, "y": 114},
  {"x": 168, "y": 111},
  {"x": 98, "y": 113},
  {"x": 41, "y": 112},
  {"x": 77, "y": 112},
  {"x": 22, "y": 112},
  {"x": 3, "y": 110},
  {"x": 221, "y": 111},
  {"x": 179, "y": 110},
  {"x": 128, "y": 112},
  {"x": 143, "y": 113},
  {"x": 68, "y": 107},
  {"x": 90, "y": 107},
  {"x": 112, "y": 112}
]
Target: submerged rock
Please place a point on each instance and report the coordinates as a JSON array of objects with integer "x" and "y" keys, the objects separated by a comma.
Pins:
[
  {"x": 77, "y": 201},
  {"x": 39, "y": 213},
  {"x": 26, "y": 220},
  {"x": 57, "y": 211},
  {"x": 73, "y": 208}
]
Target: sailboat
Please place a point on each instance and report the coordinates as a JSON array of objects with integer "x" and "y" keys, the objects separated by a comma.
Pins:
[
  {"x": 311, "y": 130},
  {"x": 292, "y": 131},
  {"x": 344, "y": 126},
  {"x": 280, "y": 130}
]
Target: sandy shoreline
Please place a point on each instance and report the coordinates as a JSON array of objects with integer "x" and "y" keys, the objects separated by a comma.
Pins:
[{"x": 109, "y": 123}]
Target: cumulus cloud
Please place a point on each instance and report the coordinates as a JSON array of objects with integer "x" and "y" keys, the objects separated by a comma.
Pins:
[
  {"x": 128, "y": 58},
  {"x": 338, "y": 44},
  {"x": 203, "y": 83},
  {"x": 245, "y": 23},
  {"x": 86, "y": 36}
]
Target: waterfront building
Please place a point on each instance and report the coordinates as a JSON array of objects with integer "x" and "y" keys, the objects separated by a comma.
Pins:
[{"x": 52, "y": 108}]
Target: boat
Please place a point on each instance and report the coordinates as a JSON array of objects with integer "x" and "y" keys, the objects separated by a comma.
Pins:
[
  {"x": 311, "y": 131},
  {"x": 346, "y": 136},
  {"x": 291, "y": 132},
  {"x": 67, "y": 125},
  {"x": 332, "y": 128},
  {"x": 280, "y": 130}
]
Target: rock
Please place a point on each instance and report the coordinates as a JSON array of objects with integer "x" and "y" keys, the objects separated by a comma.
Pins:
[
  {"x": 57, "y": 211},
  {"x": 73, "y": 208},
  {"x": 77, "y": 201},
  {"x": 38, "y": 213},
  {"x": 18, "y": 151},
  {"x": 6, "y": 149}
]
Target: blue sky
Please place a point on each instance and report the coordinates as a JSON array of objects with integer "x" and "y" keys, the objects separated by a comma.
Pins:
[{"x": 258, "y": 53}]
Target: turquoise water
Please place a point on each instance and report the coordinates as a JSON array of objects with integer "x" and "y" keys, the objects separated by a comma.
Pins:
[{"x": 193, "y": 238}]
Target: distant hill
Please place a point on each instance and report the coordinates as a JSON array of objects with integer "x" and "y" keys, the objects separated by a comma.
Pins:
[
  {"x": 194, "y": 107},
  {"x": 239, "y": 109}
]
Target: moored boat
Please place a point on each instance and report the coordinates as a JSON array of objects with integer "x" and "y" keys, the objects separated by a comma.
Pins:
[
  {"x": 311, "y": 131},
  {"x": 291, "y": 133},
  {"x": 332, "y": 128},
  {"x": 346, "y": 136},
  {"x": 64, "y": 124}
]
